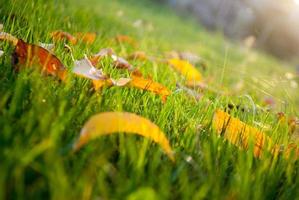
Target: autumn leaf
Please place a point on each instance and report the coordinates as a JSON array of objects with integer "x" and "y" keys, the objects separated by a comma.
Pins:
[
  {"x": 138, "y": 55},
  {"x": 135, "y": 82},
  {"x": 239, "y": 133},
  {"x": 126, "y": 39},
  {"x": 115, "y": 122},
  {"x": 150, "y": 85},
  {"x": 87, "y": 38},
  {"x": 95, "y": 59},
  {"x": 118, "y": 62},
  {"x": 191, "y": 74},
  {"x": 27, "y": 55},
  {"x": 85, "y": 69},
  {"x": 61, "y": 35}
]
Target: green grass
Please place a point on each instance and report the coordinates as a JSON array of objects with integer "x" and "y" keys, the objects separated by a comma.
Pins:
[{"x": 40, "y": 117}]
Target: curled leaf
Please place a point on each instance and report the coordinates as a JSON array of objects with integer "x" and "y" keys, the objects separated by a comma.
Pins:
[
  {"x": 85, "y": 69},
  {"x": 192, "y": 75},
  {"x": 115, "y": 122}
]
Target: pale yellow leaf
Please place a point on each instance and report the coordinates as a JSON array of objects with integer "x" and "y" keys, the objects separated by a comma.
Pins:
[
  {"x": 187, "y": 70},
  {"x": 116, "y": 122}
]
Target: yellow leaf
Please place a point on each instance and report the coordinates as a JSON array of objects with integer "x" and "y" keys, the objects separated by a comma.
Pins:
[
  {"x": 239, "y": 133},
  {"x": 115, "y": 122},
  {"x": 186, "y": 69}
]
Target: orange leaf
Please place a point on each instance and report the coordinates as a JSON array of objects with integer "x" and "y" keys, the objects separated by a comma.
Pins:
[
  {"x": 136, "y": 82},
  {"x": 126, "y": 39},
  {"x": 114, "y": 122},
  {"x": 99, "y": 84},
  {"x": 192, "y": 75},
  {"x": 88, "y": 38},
  {"x": 138, "y": 55},
  {"x": 61, "y": 35},
  {"x": 30, "y": 54},
  {"x": 150, "y": 85}
]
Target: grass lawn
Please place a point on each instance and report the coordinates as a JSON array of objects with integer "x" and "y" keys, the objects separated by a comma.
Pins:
[{"x": 40, "y": 117}]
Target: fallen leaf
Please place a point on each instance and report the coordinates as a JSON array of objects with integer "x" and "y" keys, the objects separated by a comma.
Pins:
[
  {"x": 61, "y": 35},
  {"x": 135, "y": 82},
  {"x": 30, "y": 54},
  {"x": 118, "y": 62},
  {"x": 121, "y": 63},
  {"x": 27, "y": 55},
  {"x": 87, "y": 38},
  {"x": 138, "y": 55},
  {"x": 239, "y": 133},
  {"x": 126, "y": 39},
  {"x": 121, "y": 82},
  {"x": 85, "y": 69},
  {"x": 150, "y": 85},
  {"x": 115, "y": 122},
  {"x": 95, "y": 59},
  {"x": 191, "y": 74}
]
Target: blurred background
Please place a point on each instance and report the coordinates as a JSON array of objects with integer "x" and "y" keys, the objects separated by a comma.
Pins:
[{"x": 271, "y": 25}]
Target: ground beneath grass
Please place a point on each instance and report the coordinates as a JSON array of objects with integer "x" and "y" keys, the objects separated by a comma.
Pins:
[{"x": 40, "y": 117}]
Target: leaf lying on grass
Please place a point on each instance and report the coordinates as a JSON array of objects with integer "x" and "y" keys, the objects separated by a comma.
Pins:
[
  {"x": 192, "y": 75},
  {"x": 87, "y": 38},
  {"x": 126, "y": 39},
  {"x": 85, "y": 69},
  {"x": 118, "y": 62},
  {"x": 239, "y": 134},
  {"x": 27, "y": 55},
  {"x": 61, "y": 35},
  {"x": 95, "y": 59},
  {"x": 115, "y": 122},
  {"x": 138, "y": 55},
  {"x": 136, "y": 82}
]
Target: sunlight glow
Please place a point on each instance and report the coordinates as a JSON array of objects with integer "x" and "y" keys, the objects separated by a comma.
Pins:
[{"x": 296, "y": 2}]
